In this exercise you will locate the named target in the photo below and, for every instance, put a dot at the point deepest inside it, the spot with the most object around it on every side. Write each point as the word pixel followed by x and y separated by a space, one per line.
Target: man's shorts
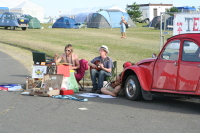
pixel 110 88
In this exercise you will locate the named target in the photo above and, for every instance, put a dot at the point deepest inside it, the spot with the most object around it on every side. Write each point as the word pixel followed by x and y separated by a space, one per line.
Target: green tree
pixel 134 12
pixel 172 9
pixel 99 10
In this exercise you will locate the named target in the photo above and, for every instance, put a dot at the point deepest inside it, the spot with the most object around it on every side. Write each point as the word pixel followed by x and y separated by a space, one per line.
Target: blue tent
pixel 3 9
pixel 65 22
pixel 109 19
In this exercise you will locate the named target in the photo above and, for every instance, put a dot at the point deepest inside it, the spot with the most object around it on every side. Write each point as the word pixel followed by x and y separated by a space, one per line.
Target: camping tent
pixel 12 3
pixel 65 22
pixel 83 17
pixel 154 21
pixel 30 8
pixel 109 19
pixel 3 9
pixel 34 23
pixel 76 11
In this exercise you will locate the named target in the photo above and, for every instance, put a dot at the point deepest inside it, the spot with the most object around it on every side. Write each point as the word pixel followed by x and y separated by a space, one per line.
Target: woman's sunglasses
pixel 68 50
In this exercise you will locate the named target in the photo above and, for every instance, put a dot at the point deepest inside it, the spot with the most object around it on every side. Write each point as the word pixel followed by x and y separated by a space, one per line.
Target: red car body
pixel 175 71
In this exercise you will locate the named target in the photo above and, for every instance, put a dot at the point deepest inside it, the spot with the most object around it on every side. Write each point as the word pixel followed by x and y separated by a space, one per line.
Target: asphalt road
pixel 11 72
pixel 34 114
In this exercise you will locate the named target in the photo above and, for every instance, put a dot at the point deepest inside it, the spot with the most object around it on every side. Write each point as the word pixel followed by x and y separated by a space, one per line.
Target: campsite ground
pixel 140 43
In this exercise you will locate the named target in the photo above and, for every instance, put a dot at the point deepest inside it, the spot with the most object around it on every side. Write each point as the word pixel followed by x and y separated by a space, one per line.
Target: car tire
pixel 6 27
pixel 12 27
pixel 23 28
pixel 133 88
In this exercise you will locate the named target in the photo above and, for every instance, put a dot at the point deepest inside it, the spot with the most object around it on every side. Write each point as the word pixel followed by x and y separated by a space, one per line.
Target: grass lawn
pixel 140 43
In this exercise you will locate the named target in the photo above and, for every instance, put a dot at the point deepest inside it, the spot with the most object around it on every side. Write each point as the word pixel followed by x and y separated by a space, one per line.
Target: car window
pixel 19 15
pixel 171 51
pixel 191 51
pixel 3 16
pixel 12 17
pixel 8 16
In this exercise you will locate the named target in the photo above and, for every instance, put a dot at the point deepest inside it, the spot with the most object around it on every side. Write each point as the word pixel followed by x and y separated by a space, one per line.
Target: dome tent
pixel 82 15
pixel 65 22
pixel 109 19
pixel 34 23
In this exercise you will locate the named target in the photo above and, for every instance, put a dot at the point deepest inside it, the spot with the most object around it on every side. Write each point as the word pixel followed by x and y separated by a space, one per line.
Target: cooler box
pixel 66 92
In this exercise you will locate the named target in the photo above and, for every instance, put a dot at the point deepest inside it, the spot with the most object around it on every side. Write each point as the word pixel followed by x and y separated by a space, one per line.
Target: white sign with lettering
pixel 186 23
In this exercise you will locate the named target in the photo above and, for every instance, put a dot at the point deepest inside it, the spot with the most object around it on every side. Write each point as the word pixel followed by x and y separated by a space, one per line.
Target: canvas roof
pixel 28 4
pixel 109 19
pixel 30 8
pixel 3 4
pixel 12 3
pixel 76 11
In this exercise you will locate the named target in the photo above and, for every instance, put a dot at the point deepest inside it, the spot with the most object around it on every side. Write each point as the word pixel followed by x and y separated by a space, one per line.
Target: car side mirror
pixel 154 55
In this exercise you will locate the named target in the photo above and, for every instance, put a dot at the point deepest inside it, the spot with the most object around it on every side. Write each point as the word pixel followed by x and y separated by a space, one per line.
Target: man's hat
pixel 104 47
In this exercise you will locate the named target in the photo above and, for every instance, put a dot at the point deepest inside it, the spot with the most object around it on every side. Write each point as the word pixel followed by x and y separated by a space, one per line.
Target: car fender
pixel 139 72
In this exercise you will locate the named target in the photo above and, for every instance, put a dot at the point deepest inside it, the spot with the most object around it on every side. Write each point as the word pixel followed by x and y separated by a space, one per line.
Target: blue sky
pixel 52 7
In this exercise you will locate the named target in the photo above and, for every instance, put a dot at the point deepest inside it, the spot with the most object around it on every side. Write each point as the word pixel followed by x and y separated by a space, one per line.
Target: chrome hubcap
pixel 131 88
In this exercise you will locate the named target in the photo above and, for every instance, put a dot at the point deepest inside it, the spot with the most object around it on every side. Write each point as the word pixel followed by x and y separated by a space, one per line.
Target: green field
pixel 140 43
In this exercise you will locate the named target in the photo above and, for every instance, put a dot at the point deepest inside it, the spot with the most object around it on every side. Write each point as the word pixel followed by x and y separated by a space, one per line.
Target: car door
pixel 8 20
pixel 189 67
pixel 166 67
pixel 3 20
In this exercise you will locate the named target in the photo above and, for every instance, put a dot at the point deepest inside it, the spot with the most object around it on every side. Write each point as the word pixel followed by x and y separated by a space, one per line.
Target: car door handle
pixel 175 63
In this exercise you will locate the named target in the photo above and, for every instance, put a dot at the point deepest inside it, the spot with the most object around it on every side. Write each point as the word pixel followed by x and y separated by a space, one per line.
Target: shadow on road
pixel 186 106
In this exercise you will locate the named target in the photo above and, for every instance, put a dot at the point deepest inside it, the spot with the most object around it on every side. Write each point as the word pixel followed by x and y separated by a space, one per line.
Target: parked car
pixel 13 20
pixel 174 72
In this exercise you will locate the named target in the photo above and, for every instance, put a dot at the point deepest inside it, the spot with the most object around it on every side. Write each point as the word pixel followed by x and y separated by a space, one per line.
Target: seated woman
pixel 68 57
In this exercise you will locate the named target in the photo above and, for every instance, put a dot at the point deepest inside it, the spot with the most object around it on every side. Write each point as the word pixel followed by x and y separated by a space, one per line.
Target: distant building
pixel 152 10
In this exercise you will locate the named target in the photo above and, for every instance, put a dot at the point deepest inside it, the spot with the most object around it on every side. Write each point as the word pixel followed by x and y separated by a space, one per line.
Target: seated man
pixel 114 87
pixel 101 67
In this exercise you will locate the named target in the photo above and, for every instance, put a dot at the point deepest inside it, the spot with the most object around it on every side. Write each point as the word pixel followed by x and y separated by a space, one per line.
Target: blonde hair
pixel 69 46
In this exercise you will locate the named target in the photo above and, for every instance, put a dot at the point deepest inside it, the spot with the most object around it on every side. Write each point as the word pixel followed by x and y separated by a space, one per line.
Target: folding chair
pixel 81 72
pixel 114 73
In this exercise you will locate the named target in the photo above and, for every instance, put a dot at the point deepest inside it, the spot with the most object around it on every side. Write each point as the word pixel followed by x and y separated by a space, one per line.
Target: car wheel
pixel 12 27
pixel 133 88
pixel 23 28
pixel 6 27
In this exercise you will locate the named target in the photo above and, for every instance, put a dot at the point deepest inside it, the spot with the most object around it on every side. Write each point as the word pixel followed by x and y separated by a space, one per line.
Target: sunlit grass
pixel 140 43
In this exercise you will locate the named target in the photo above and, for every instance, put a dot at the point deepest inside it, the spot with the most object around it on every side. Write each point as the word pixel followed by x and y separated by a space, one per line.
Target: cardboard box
pixel 63 69
pixel 51 85
pixel 45 93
